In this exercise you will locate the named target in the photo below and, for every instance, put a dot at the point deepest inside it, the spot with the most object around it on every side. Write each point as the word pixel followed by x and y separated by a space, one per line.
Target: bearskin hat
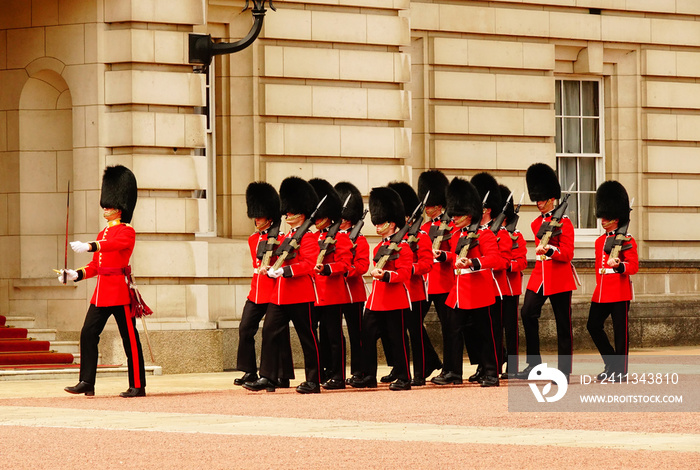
pixel 542 182
pixel 484 182
pixel 436 182
pixel 332 206
pixel 407 194
pixel 612 202
pixel 385 206
pixel 262 201
pixel 353 210
pixel 119 191
pixel 463 199
pixel 510 210
pixel 297 196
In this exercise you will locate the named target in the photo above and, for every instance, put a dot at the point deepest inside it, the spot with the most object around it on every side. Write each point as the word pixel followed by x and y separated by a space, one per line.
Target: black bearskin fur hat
pixel 355 207
pixel 484 182
pixel 385 206
pixel 542 182
pixel 119 191
pixel 332 206
pixel 436 182
pixel 297 196
pixel 408 196
pixel 463 199
pixel 262 201
pixel 612 202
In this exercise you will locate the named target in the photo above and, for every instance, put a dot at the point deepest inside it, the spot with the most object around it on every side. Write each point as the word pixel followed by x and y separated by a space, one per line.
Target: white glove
pixel 276 273
pixel 80 247
pixel 70 275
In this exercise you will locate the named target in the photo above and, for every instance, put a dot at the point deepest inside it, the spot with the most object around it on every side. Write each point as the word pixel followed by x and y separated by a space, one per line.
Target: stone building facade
pixel 368 91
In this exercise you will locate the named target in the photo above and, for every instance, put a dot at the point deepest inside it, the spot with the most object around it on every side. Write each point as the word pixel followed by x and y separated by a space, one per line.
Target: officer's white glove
pixel 80 247
pixel 274 274
pixel 70 275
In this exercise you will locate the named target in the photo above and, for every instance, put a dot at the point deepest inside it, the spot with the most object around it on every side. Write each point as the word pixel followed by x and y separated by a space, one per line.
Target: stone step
pixel 20 322
pixel 69 373
pixel 72 347
pixel 42 334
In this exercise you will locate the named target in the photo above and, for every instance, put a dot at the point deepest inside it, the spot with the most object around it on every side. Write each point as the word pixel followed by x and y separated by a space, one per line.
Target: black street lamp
pixel 202 48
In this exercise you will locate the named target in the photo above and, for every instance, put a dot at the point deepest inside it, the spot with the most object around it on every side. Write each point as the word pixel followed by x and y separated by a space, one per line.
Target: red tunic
pixel 555 272
pixel 358 268
pixel 517 264
pixel 501 278
pixel 392 295
pixel 296 284
pixel 331 288
pixel 260 286
pixel 441 278
pixel 114 247
pixel 475 288
pixel 422 251
pixel 611 286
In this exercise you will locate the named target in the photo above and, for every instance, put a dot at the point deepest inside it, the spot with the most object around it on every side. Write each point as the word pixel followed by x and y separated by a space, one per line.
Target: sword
pixel 148 339
pixel 65 248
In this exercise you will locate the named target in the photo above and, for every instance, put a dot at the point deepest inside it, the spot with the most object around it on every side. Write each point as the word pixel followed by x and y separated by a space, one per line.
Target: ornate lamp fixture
pixel 202 48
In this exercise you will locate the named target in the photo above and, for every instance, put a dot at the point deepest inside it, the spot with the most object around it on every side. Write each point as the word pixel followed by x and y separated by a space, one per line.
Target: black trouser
pixel 443 313
pixel 509 319
pixel 425 359
pixel 353 321
pixel 246 359
pixel 530 314
pixel 615 358
pixel 496 324
pixel 332 340
pixel 274 326
pixel 479 321
pixel 95 321
pixel 393 322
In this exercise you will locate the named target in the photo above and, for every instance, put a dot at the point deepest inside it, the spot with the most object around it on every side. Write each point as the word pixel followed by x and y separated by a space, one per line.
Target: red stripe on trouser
pixel 627 340
pixel 342 341
pixel 403 340
pixel 422 340
pixel 318 356
pixel 135 365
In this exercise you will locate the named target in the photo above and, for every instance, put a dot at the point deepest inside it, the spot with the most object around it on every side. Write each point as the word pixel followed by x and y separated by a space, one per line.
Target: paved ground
pixel 203 420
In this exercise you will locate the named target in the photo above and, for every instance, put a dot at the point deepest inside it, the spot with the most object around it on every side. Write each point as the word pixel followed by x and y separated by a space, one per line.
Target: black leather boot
pixel 80 388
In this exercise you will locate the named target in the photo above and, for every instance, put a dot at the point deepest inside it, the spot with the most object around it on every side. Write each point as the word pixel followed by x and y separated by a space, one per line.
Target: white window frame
pixel 210 152
pixel 599 157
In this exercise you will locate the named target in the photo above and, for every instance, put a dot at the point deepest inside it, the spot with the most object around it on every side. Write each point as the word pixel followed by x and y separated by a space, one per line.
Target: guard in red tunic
pixel 110 263
pixel 616 260
pixel 473 253
pixel 352 222
pixel 486 184
pixel 514 288
pixel 439 228
pixel 263 206
pixel 332 293
pixel 425 359
pixel 389 296
pixel 293 294
pixel 553 275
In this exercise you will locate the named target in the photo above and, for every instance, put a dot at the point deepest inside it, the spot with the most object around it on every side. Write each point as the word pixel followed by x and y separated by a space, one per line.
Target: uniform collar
pixel 437 219
pixel 114 222
pixel 544 216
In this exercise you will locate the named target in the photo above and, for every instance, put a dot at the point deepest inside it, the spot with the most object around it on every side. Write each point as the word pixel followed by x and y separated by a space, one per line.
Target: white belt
pixel 464 271
pixel 255 271
pixel 606 271
pixel 543 257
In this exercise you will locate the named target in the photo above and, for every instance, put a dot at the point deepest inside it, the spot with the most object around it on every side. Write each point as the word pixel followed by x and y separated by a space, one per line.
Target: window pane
pixel 589 98
pixel 572 210
pixel 571 98
pixel 567 173
pixel 572 135
pixel 586 177
pixel 588 219
pixel 591 136
pixel 557 137
pixel 557 97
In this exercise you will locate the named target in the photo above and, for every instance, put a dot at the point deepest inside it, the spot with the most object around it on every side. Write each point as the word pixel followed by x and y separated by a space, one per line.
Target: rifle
pixel 357 229
pixel 498 221
pixel 270 245
pixel 291 244
pixel 613 246
pixel 412 234
pixel 472 232
pixel 385 252
pixel 443 228
pixel 513 224
pixel 329 241
pixel 552 228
